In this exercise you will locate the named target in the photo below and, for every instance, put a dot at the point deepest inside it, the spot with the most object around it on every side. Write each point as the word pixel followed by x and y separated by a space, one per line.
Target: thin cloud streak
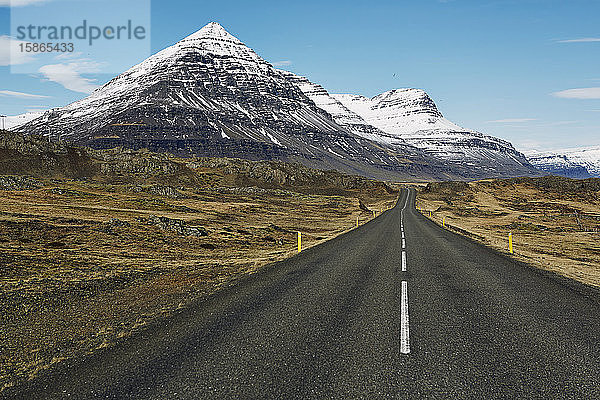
pixel 511 120
pixel 21 95
pixel 580 40
pixel 579 93
pixel 20 3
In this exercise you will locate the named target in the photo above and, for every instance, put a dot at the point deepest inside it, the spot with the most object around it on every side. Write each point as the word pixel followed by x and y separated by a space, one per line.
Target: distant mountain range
pixel 210 95
pixel 581 162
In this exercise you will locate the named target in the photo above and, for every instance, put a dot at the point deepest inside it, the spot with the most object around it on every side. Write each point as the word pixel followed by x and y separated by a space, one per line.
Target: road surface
pixel 398 308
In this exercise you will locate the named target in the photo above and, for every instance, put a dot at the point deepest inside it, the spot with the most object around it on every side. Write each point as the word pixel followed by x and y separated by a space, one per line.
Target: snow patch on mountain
pixel 399 112
pixel 14 121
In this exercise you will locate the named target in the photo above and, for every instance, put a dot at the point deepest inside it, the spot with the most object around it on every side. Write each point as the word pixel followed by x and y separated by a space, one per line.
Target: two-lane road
pixel 398 308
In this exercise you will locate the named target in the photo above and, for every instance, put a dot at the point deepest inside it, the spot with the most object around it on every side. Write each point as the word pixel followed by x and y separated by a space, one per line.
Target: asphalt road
pixel 343 320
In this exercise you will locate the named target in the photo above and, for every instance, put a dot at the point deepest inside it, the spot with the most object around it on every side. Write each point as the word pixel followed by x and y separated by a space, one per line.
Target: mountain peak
pixel 407 99
pixel 403 93
pixel 214 31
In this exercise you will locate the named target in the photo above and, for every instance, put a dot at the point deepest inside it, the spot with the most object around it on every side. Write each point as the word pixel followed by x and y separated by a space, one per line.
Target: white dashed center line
pixel 404 328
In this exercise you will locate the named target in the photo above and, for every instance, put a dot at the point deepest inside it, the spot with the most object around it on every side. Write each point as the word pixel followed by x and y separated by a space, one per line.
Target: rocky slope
pixel 340 113
pixel 573 163
pixel 23 156
pixel 34 155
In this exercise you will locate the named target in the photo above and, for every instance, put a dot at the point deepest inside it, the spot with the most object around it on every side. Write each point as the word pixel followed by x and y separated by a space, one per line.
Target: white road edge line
pixel 404 261
pixel 404 328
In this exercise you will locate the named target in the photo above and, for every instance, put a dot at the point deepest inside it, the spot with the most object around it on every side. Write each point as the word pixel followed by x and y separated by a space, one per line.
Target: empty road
pixel 398 308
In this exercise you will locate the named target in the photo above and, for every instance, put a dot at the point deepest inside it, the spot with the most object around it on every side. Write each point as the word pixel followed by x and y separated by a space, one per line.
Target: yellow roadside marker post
pixel 510 243
pixel 357 222
pixel 373 213
pixel 299 241
pixel 444 222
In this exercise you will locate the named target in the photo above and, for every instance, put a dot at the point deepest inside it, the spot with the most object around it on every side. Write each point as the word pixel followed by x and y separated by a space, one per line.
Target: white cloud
pixel 581 93
pixel 21 95
pixel 10 53
pixel 282 63
pixel 69 75
pixel 19 3
pixel 580 40
pixel 511 120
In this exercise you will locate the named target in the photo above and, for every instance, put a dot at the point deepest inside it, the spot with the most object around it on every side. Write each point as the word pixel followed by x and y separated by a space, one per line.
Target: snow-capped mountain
pixel 581 162
pixel 211 95
pixel 14 121
pixel 411 115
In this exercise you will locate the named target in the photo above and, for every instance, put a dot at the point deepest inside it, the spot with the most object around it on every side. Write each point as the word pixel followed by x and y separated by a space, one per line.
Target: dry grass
pixel 553 228
pixel 72 280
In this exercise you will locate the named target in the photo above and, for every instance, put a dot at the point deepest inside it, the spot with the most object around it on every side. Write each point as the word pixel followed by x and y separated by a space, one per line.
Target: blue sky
pixel 507 68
